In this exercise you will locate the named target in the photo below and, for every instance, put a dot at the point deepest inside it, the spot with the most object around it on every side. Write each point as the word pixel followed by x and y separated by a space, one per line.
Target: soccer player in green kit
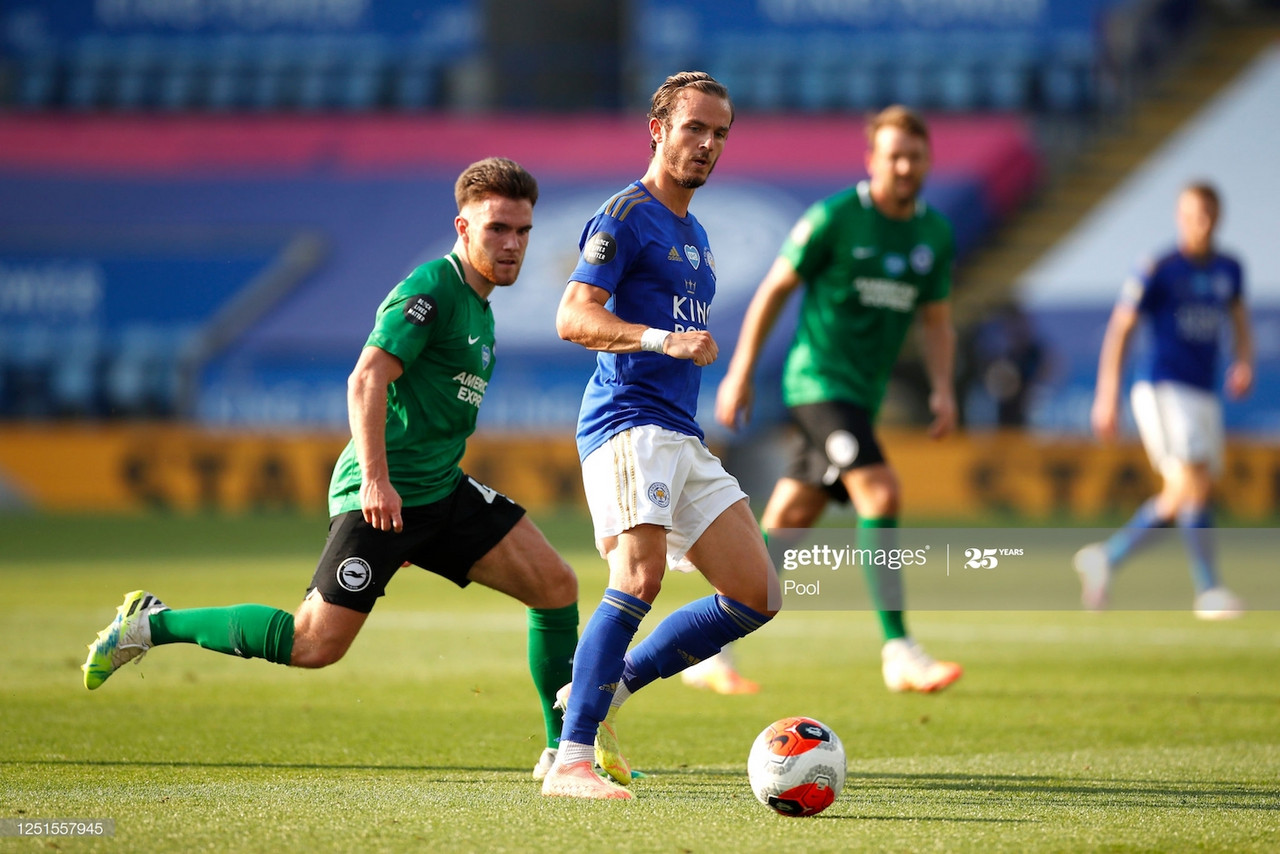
pixel 873 259
pixel 398 495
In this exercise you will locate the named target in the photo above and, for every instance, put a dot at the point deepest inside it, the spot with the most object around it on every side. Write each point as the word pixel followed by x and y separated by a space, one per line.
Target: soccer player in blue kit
pixel 1185 297
pixel 640 297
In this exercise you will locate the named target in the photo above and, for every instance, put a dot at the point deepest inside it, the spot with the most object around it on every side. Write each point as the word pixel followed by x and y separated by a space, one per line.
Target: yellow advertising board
pixel 182 468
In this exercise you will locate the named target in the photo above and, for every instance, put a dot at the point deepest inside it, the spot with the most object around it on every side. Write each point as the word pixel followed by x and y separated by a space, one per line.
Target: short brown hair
pixel 897 116
pixel 494 176
pixel 664 99
pixel 1208 194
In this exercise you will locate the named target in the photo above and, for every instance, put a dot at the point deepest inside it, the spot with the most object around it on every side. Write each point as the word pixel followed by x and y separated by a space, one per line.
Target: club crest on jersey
pixel 354 574
pixel 922 259
pixel 710 259
pixel 486 355
pixel 695 258
pixel 895 265
pixel 659 494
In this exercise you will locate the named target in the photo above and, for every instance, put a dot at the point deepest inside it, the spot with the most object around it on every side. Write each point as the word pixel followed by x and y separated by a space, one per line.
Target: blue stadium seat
pixel 820 76
pixel 91 74
pixel 38 81
pixel 1066 77
pixel 360 85
pixel 29 365
pixel 323 66
pixel 275 70
pixel 417 83
pixel 229 73
pixel 912 77
pixel 1008 72
pixel 958 71
pixel 142 63
pixel 74 384
pixel 184 85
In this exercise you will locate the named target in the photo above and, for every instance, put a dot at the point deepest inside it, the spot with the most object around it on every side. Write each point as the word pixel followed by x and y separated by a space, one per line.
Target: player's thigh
pixel 637 560
pixel 323 631
pixel 525 566
pixel 874 490
pixel 732 556
pixel 630 481
pixel 793 504
pixel 1187 484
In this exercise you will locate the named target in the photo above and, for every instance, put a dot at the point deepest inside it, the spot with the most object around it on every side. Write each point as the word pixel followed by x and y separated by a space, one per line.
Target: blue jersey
pixel 1186 305
pixel 659 271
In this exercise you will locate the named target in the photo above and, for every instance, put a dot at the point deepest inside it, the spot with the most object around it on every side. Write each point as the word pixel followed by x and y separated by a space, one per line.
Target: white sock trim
pixel 571 751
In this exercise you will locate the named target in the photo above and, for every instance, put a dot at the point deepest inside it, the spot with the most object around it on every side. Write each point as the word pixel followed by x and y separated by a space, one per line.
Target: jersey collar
pixel 456 263
pixel 864 196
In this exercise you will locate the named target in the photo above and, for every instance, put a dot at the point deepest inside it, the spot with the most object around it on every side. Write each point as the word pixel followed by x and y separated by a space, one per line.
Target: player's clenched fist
pixel 696 344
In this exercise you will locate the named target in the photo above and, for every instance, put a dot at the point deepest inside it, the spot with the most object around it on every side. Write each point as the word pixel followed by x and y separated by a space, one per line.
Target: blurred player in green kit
pixel 873 259
pixel 398 495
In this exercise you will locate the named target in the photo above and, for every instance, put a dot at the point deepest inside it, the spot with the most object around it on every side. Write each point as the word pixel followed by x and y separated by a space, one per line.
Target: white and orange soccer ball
pixel 796 766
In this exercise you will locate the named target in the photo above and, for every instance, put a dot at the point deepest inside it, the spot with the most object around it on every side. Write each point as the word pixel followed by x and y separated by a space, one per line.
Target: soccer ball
pixel 796 766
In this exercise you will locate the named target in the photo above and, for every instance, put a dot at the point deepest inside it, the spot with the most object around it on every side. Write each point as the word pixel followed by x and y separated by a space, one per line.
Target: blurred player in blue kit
pixel 1185 298
pixel 640 297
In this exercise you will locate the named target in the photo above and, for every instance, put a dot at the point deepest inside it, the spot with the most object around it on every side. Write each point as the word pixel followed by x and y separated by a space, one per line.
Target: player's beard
pixel 677 169
pixel 906 190
pixel 487 267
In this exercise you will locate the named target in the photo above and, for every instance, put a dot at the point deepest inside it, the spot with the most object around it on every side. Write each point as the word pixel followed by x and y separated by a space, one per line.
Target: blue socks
pixel 597 664
pixel 1196 525
pixel 1124 542
pixel 698 630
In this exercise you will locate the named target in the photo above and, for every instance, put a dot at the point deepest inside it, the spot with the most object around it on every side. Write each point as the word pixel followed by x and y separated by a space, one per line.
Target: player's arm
pixel 938 343
pixel 583 319
pixel 1115 341
pixel 367 386
pixel 734 397
pixel 1240 371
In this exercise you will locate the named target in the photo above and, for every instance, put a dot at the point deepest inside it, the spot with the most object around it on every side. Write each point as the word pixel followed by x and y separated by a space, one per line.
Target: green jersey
pixel 442 333
pixel 864 276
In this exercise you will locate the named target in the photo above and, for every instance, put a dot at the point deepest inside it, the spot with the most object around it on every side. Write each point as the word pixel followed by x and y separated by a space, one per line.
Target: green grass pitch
pixel 1127 731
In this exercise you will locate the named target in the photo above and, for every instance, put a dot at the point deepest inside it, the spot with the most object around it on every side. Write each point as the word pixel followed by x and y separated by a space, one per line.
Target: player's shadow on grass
pixel 1047 791
pixel 1072 792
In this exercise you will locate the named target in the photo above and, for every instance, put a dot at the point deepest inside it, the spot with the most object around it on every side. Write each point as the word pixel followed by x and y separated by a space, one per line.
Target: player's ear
pixel 656 130
pixel 461 225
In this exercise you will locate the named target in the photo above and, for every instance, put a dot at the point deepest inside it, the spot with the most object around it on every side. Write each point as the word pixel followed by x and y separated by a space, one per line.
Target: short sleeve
pixel 607 246
pixel 806 245
pixel 411 315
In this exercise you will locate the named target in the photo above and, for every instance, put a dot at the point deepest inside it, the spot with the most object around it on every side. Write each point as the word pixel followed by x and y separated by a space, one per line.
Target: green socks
pixel 249 631
pixel 553 636
pixel 885 584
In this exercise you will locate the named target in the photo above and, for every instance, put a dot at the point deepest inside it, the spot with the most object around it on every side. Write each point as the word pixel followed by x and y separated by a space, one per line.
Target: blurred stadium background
pixel 202 202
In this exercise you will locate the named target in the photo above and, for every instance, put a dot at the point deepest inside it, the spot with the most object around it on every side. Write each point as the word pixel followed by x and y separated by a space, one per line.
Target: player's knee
pixel 312 658
pixel 313 653
pixel 793 515
pixel 644 586
pixel 558 586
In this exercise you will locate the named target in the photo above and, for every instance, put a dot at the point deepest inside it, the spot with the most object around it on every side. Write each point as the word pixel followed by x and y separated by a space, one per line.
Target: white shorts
pixel 1179 424
pixel 648 475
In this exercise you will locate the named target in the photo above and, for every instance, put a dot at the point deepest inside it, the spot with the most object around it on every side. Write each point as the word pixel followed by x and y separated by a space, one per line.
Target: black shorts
pixel 828 439
pixel 447 538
